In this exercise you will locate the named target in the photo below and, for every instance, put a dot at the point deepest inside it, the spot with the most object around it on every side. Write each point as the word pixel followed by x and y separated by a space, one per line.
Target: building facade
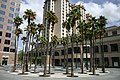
pixel 9 9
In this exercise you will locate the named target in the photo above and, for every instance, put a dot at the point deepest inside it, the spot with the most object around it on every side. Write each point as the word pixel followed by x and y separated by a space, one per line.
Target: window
pixel 114 47
pixel 8 35
pixel 6 49
pixel 16 14
pixel 13 37
pixel 12 44
pixel 10 21
pixel 114 33
pixel 11 15
pixel 4 0
pixel 2 12
pixel 3 6
pixel 9 28
pixel 105 48
pixel 0 33
pixel 96 49
pixel 1 26
pixel 18 9
pixel 1 19
pixel 13 31
pixel 7 41
pixel 106 34
pixel 12 50
pixel 13 3
pixel 0 40
pixel 12 9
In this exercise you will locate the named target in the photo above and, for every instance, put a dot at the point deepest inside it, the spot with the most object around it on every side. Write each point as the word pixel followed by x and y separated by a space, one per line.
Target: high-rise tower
pixel 61 8
pixel 9 9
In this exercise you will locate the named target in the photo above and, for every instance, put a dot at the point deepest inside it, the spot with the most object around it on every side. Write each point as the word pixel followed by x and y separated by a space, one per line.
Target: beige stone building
pixel 8 10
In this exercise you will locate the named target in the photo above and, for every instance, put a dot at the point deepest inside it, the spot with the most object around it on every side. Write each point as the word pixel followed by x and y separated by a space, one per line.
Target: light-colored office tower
pixel 61 8
pixel 8 10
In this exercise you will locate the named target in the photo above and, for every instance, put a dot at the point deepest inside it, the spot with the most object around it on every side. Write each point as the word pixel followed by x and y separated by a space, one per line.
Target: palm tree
pixel 29 15
pixel 51 19
pixel 23 55
pixel 101 30
pixel 67 26
pixel 31 29
pixel 73 16
pixel 17 22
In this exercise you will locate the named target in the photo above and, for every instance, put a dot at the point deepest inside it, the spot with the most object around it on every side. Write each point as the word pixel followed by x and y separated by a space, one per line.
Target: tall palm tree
pixel 51 19
pixel 17 22
pixel 73 16
pixel 67 26
pixel 29 15
pixel 101 30
pixel 32 30
pixel 23 55
pixel 81 28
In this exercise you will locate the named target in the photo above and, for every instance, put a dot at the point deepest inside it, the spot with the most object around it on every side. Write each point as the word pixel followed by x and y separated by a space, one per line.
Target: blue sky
pixel 96 1
pixel 108 8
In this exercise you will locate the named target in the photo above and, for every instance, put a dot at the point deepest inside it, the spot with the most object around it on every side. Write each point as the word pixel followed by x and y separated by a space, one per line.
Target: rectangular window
pixel 1 26
pixel 12 44
pixel 6 49
pixel 13 3
pixel 4 0
pixel 12 9
pixel 16 14
pixel 13 37
pixel 9 28
pixel 12 50
pixel 18 9
pixel 1 19
pixel 114 47
pixel 11 15
pixel 3 6
pixel 13 31
pixel 2 12
pixel 105 48
pixel 114 33
pixel 7 41
pixel 8 35
pixel 96 48
pixel 0 33
pixel 10 21
pixel 0 40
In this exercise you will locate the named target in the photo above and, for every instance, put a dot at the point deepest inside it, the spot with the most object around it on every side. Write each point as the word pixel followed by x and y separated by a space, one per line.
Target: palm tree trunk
pixel 50 60
pixel 64 58
pixel 72 57
pixel 93 57
pixel 76 56
pixel 86 55
pixel 67 71
pixel 23 59
pixel 102 55
pixel 91 60
pixel 26 51
pixel 36 59
pixel 82 70
pixel 14 67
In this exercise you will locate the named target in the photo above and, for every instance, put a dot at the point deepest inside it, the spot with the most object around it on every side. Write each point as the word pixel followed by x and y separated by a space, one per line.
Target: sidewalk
pixel 59 73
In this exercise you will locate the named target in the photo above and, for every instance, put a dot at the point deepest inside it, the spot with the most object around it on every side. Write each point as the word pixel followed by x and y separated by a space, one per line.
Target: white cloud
pixel 109 10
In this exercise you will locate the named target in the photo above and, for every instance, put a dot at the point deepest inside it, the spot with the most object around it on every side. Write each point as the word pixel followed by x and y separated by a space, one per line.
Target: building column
pixel 110 61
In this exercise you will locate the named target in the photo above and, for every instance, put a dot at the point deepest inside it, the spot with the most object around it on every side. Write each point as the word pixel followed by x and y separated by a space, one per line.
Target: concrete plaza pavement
pixel 112 74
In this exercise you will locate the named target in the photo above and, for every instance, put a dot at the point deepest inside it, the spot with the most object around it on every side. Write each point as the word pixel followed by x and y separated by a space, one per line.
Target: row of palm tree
pixel 88 30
